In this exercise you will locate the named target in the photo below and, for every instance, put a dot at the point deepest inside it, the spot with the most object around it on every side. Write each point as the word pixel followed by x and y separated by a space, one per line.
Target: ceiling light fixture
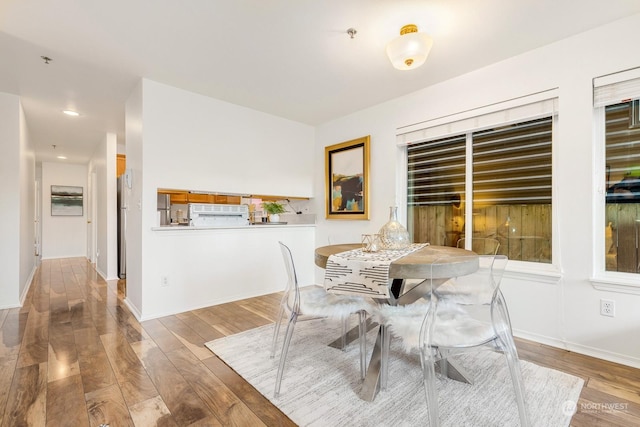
pixel 352 32
pixel 62 157
pixel 71 113
pixel 409 50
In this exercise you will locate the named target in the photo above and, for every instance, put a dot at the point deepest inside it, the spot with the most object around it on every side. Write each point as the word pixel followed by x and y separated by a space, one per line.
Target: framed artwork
pixel 66 200
pixel 347 179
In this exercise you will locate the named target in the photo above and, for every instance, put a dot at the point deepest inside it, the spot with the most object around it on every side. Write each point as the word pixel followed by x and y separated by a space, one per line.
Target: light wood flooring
pixel 74 355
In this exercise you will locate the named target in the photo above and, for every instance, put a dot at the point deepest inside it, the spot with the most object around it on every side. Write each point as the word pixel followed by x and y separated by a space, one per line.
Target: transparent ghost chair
pixel 446 326
pixel 481 245
pixel 313 302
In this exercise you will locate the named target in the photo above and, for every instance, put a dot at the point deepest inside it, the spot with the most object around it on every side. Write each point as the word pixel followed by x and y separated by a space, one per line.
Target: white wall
pixel 103 164
pixel 199 143
pixel 17 204
pixel 178 139
pixel 27 208
pixel 10 200
pixel 63 236
pixel 564 313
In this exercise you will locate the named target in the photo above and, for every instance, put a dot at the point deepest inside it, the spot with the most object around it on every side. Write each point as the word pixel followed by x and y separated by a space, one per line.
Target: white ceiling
pixel 290 58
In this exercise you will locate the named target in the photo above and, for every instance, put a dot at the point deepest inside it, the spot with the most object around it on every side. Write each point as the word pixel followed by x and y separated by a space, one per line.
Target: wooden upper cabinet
pixel 179 197
pixel 201 198
pixel 121 164
pixel 183 197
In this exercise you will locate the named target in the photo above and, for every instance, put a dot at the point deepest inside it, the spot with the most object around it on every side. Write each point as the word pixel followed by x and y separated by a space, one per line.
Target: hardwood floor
pixel 74 355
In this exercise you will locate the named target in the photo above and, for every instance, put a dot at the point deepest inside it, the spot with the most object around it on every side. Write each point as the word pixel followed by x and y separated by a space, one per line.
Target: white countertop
pixel 240 227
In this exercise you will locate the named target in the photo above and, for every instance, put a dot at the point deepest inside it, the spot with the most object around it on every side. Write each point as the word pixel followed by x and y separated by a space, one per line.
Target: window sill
pixel 544 273
pixel 617 283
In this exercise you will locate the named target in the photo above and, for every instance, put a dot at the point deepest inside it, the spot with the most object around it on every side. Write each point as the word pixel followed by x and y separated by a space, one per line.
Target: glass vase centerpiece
pixel 393 235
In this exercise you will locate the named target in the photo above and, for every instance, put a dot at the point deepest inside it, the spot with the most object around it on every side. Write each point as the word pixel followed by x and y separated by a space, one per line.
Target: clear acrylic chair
pixel 486 246
pixel 481 245
pixel 445 326
pixel 313 302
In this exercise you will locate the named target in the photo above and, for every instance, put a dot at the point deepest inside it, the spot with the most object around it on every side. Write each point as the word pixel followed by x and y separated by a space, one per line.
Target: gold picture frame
pixel 347 179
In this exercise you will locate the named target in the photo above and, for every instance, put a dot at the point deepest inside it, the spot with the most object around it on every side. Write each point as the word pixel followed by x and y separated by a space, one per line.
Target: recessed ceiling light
pixel 62 157
pixel 71 113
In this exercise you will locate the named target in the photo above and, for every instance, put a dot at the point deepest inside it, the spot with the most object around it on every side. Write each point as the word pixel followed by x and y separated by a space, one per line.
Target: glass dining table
pixel 410 279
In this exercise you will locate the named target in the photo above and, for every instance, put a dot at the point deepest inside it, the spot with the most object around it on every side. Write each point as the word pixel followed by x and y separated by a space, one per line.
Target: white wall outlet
pixel 608 307
pixel 164 281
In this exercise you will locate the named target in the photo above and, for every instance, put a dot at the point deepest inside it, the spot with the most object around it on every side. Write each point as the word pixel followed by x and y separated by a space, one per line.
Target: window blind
pixel 436 172
pixel 512 164
pixel 542 104
pixel 616 88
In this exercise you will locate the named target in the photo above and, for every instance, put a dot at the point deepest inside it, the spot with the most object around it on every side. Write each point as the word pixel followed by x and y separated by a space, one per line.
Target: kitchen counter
pixel 238 227
pixel 202 266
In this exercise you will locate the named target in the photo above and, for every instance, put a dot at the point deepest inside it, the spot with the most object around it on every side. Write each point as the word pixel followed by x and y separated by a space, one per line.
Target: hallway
pixel 74 355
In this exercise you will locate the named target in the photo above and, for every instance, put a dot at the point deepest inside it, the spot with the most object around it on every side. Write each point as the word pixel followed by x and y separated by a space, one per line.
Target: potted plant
pixel 274 209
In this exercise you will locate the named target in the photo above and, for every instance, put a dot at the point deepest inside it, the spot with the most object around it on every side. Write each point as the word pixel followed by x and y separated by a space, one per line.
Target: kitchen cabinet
pixel 184 197
pixel 200 198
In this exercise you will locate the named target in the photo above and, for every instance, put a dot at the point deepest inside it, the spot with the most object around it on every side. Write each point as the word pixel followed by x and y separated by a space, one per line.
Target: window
pixel 622 200
pixel 495 182
pixel 616 104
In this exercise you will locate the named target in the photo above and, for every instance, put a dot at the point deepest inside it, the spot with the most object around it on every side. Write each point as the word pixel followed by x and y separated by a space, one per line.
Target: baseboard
pixel 598 353
pixel 100 273
pixel 29 283
pixel 208 303
pixel 103 275
pixel 23 296
pixel 134 310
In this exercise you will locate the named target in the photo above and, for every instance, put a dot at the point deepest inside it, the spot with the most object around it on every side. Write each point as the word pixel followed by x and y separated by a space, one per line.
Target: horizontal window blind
pixel 530 107
pixel 616 88
pixel 436 172
pixel 622 154
pixel 512 164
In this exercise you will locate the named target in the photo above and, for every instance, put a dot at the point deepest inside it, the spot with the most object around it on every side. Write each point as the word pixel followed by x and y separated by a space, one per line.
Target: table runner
pixel 361 273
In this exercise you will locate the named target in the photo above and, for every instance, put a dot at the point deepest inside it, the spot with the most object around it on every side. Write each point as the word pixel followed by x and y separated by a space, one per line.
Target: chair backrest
pixel 292 291
pixel 481 245
pixel 477 288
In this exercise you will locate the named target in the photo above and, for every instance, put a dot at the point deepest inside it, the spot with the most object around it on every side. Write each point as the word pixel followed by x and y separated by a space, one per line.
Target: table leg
pixel 453 371
pixel 352 335
pixel 371 383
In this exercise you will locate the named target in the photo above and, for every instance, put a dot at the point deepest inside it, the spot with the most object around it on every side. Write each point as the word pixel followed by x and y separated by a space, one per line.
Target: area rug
pixel 321 384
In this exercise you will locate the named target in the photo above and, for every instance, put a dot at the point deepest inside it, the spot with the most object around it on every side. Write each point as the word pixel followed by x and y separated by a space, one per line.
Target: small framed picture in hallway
pixel 66 200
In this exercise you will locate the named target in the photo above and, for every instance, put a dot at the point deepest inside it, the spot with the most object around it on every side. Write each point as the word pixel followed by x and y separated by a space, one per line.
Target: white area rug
pixel 321 383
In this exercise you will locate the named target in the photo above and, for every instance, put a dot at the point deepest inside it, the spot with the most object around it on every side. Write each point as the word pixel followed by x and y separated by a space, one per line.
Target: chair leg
pixel 518 386
pixel 428 362
pixel 431 393
pixel 276 331
pixel 362 336
pixel 285 349
pixel 385 343
pixel 345 329
pixel 508 347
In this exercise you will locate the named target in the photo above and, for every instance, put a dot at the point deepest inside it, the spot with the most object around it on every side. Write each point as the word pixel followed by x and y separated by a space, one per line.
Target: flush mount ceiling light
pixel 71 113
pixel 409 50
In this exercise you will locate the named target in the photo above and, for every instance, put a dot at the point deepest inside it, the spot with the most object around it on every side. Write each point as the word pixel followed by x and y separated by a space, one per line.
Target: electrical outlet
pixel 608 307
pixel 164 281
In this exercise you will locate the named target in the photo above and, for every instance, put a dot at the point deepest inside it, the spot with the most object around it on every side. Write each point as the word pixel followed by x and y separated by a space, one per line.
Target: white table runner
pixel 363 273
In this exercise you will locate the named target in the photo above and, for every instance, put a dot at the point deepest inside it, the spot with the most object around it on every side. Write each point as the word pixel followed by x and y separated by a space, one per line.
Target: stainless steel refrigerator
pixel 122 227
pixel 164 208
